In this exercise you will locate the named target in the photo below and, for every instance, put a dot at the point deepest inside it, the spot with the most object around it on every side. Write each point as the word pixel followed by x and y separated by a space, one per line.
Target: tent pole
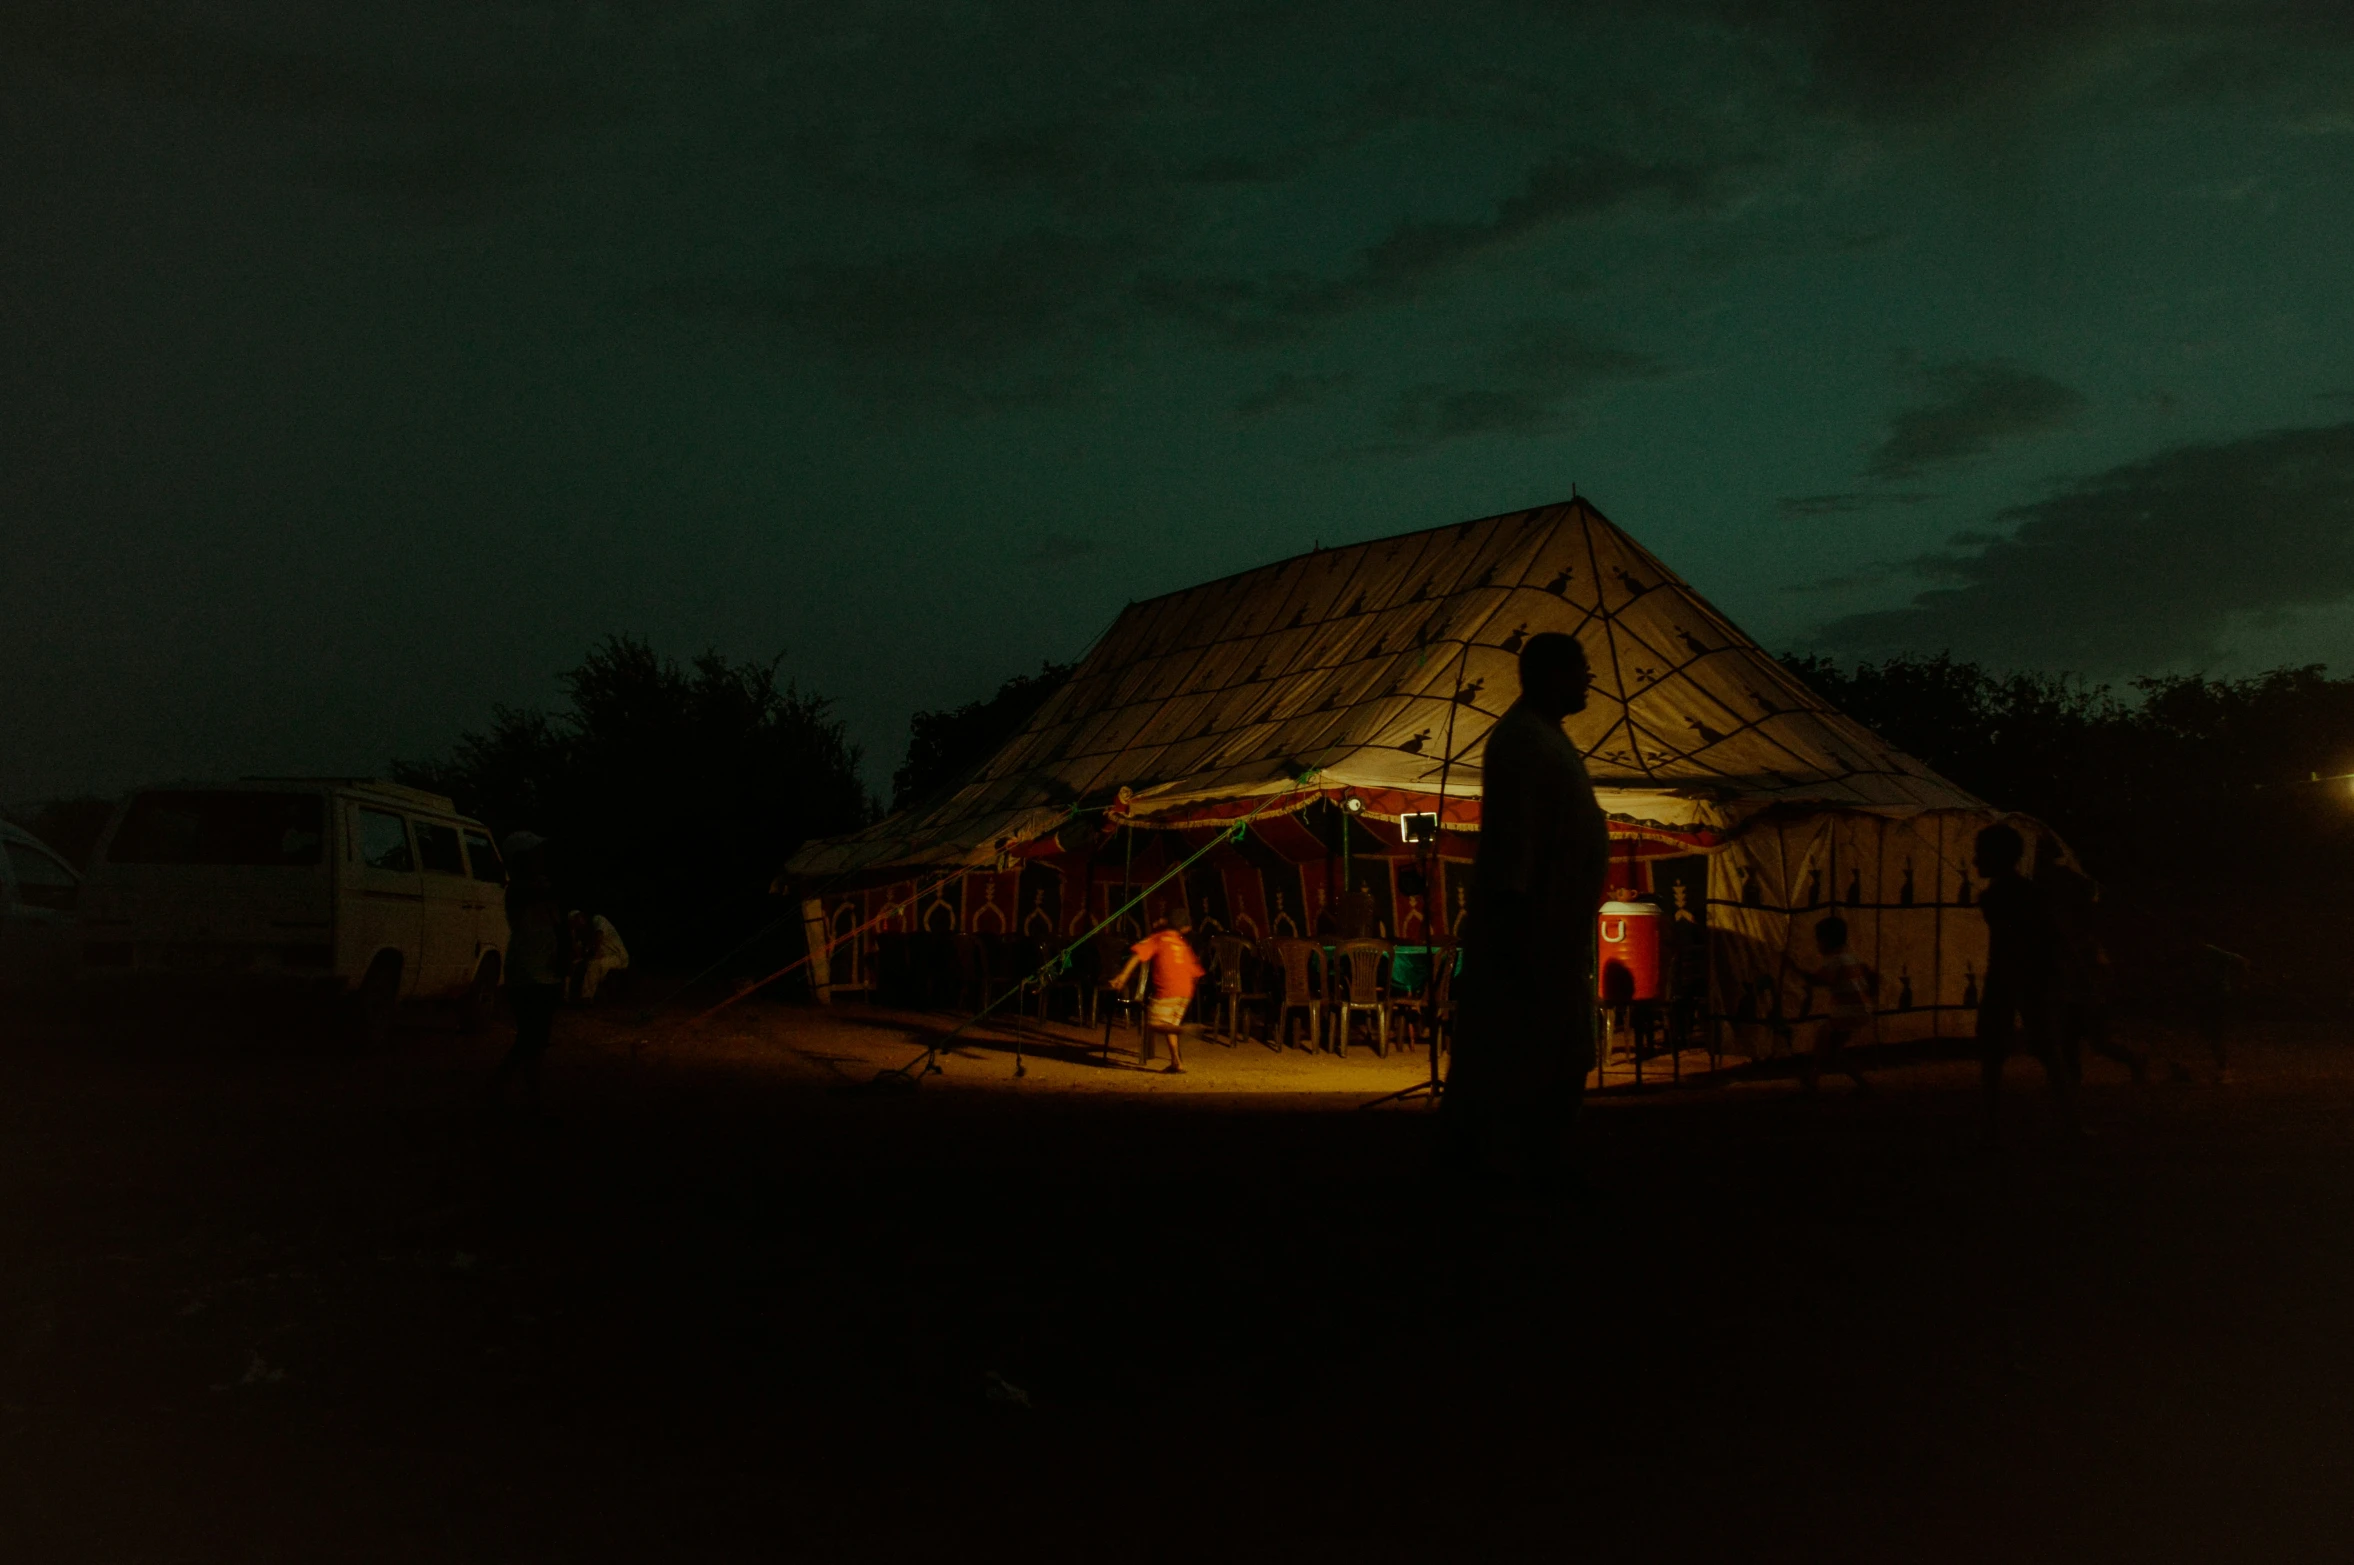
pixel 1346 886
pixel 1433 904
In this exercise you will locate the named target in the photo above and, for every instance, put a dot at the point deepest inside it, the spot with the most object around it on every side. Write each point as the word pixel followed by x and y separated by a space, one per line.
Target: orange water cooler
pixel 1626 967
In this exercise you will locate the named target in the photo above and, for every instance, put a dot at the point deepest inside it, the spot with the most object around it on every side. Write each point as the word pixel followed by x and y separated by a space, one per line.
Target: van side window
pixel 437 848
pixel 40 880
pixel 485 858
pixel 221 826
pixel 384 841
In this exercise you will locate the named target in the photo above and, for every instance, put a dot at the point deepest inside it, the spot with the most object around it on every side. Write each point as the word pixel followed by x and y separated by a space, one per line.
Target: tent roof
pixel 1366 666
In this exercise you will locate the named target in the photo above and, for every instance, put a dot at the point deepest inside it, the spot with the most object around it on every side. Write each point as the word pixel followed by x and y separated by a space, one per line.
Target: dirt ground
pixel 263 1298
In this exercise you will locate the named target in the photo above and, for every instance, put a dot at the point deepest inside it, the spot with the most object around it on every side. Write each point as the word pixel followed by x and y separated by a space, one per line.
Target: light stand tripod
pixel 1435 1088
pixel 1433 910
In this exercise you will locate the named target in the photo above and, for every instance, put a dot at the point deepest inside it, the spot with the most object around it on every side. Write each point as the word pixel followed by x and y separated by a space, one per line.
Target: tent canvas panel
pixel 1901 883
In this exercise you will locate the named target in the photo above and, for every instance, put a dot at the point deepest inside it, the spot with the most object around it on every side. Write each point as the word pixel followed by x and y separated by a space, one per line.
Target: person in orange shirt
pixel 1175 970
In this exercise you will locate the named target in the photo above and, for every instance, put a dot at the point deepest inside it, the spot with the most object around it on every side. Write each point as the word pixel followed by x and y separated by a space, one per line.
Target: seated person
pixel 1851 983
pixel 597 951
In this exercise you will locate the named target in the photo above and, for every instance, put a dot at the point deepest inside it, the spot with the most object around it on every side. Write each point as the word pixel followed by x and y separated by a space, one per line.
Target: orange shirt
pixel 1174 966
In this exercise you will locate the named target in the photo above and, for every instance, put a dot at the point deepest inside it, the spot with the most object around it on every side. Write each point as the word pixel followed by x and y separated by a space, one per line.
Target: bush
pixel 671 793
pixel 943 746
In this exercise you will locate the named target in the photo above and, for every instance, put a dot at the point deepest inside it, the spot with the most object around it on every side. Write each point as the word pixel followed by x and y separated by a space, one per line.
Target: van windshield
pixel 221 826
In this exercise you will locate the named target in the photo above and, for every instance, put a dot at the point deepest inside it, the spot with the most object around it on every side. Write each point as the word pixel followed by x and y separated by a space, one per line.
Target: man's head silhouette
pixel 1554 674
pixel 1998 850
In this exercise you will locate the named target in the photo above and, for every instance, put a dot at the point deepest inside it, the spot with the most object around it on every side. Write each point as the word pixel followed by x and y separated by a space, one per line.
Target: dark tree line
pixel 2183 751
pixel 672 792
pixel 944 746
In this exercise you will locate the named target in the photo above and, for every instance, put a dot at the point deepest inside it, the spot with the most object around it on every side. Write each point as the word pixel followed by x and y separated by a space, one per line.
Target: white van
pixel 371 889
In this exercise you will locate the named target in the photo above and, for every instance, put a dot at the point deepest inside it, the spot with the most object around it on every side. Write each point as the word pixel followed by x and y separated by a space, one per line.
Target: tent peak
pixel 1527 514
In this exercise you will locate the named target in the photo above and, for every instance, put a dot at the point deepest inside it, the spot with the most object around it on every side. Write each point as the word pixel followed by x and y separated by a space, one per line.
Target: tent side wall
pixel 1288 874
pixel 1902 884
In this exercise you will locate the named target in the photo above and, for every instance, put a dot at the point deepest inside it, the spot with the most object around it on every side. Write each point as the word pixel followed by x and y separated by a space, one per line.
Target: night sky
pixel 360 366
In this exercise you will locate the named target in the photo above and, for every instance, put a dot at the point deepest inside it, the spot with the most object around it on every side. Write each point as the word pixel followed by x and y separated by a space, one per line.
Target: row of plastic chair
pixel 1328 988
pixel 1288 983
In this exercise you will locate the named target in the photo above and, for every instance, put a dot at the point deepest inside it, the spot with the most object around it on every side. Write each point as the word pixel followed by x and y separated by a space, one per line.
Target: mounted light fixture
pixel 1419 827
pixel 1351 803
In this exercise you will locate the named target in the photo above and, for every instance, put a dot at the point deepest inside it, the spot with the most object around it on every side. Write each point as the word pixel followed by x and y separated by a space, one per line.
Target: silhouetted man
pixel 2219 972
pixel 1525 1019
pixel 2022 970
pixel 538 959
pixel 2080 997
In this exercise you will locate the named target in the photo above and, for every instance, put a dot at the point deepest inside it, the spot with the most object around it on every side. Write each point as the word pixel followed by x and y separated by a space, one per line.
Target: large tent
pixel 1326 696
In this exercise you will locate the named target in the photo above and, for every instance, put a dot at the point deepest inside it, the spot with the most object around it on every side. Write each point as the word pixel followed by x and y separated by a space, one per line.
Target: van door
pixel 451 910
pixel 383 900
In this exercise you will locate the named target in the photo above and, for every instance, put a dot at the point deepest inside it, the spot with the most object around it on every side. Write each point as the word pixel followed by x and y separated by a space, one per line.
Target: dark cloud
pixel 456 179
pixel 1877 60
pixel 1973 407
pixel 1101 162
pixel 1804 505
pixel 1579 183
pixel 1530 386
pixel 1852 581
pixel 1057 548
pixel 932 319
pixel 1582 182
pixel 1891 63
pixel 1453 94
pixel 1554 353
pixel 463 65
pixel 928 326
pixel 150 50
pixel 1430 414
pixel 1063 152
pixel 1858 241
pixel 2142 567
pixel 976 305
pixel 1286 391
pixel 468 109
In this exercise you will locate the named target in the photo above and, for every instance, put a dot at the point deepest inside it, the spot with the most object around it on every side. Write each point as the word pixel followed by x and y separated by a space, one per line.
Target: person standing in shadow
pixel 538 960
pixel 2217 974
pixel 1850 983
pixel 1525 1008
pixel 2080 998
pixel 2022 963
